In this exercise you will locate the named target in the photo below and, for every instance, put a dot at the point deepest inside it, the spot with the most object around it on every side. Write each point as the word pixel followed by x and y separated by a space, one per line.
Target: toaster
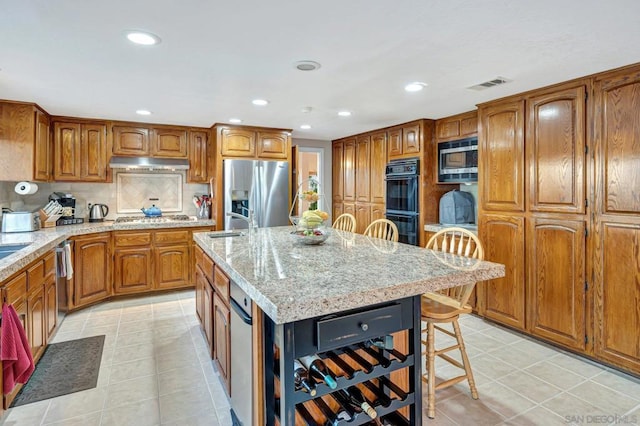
pixel 20 222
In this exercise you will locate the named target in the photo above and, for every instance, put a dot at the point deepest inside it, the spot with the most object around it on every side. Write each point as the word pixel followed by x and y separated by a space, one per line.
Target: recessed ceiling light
pixel 260 102
pixel 143 38
pixel 416 86
pixel 235 120
pixel 306 110
pixel 143 112
pixel 344 113
pixel 305 127
pixel 307 65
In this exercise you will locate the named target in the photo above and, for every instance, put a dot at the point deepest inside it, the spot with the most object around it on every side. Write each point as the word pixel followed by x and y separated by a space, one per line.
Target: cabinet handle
pixel 364 326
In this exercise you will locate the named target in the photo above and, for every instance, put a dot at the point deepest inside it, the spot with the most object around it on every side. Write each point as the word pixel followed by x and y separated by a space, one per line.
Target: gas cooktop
pixel 155 219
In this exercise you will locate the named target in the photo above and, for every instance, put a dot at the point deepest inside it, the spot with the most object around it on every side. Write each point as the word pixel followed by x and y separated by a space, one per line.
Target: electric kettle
pixel 97 212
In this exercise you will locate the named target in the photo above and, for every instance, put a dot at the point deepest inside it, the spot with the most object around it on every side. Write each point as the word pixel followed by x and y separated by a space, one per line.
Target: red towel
pixel 15 353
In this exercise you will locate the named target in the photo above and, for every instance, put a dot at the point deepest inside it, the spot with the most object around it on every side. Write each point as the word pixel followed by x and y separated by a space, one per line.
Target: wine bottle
pixel 357 399
pixel 301 378
pixel 319 370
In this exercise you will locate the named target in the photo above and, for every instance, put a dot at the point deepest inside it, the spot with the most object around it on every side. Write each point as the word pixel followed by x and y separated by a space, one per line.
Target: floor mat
pixel 65 367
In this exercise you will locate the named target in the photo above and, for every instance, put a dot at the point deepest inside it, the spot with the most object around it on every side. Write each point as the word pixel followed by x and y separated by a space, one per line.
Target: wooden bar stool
pixel 383 229
pixel 446 306
pixel 345 222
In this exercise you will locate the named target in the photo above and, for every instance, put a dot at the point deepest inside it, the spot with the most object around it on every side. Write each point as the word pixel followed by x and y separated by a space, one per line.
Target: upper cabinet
pixel 238 142
pixel 363 191
pixel 80 151
pixel 143 141
pixel 132 141
pixel 24 143
pixel 377 168
pixel 170 143
pixel 199 161
pixel 404 141
pixel 273 145
pixel 249 142
pixel 459 126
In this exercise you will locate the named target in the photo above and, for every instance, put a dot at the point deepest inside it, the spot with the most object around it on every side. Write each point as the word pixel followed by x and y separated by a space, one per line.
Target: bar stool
pixel 446 306
pixel 383 229
pixel 345 222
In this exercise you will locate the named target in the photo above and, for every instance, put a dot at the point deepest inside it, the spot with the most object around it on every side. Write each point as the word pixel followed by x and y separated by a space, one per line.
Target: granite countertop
pixel 291 281
pixel 40 242
pixel 435 227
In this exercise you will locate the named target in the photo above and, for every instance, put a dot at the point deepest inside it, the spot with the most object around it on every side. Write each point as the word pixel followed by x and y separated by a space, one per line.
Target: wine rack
pixel 343 342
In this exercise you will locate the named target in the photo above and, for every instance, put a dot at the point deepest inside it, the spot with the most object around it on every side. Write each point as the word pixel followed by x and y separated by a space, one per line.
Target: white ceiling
pixel 72 58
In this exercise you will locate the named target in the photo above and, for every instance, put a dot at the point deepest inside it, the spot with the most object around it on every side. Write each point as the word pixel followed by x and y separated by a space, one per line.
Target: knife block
pixel 48 221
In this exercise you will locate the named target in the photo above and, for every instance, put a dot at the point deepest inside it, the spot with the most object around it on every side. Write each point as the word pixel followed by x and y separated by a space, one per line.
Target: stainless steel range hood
pixel 148 163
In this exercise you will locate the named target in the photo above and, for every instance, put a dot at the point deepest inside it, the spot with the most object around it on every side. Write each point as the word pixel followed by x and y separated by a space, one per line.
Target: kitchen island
pixel 332 299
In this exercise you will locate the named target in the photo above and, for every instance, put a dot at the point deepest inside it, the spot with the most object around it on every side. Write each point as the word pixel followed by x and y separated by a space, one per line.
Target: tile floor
pixel 155 371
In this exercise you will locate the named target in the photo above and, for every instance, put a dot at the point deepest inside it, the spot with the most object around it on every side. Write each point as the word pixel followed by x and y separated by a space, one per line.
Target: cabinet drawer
pixel 171 237
pixel 345 330
pixel 221 284
pixel 49 265
pixel 35 275
pixel 132 239
pixel 199 254
pixel 16 289
pixel 207 267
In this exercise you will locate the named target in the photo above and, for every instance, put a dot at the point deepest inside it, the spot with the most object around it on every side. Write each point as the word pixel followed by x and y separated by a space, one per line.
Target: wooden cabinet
pixel 336 210
pixel 378 211
pixel 80 152
pixel 207 316
pixel 460 126
pixel 24 143
pixel 36 321
pixel 273 145
pixel 363 216
pixel 349 208
pixel 349 174
pixel 254 143
pixel 132 270
pixel 337 173
pixel 92 268
pixel 130 141
pixel 503 299
pixel 199 161
pixel 395 142
pixel 362 169
pixel 556 151
pixel 238 142
pixel 172 266
pixel 377 167
pixel 166 142
pixel 51 307
pixel 404 141
pixel 222 337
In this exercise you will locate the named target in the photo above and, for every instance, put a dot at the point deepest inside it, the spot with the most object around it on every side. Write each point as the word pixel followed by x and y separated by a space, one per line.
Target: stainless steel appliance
pixel 256 188
pixel 155 219
pixel 403 177
pixel 68 203
pixel 458 161
pixel 20 222
pixel 97 212
pixel 241 360
pixel 457 207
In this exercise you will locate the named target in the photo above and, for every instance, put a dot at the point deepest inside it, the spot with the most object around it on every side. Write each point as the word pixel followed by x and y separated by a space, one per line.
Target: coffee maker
pixel 68 203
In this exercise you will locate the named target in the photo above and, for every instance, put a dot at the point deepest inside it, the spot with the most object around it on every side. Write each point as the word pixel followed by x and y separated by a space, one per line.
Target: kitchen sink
pixel 225 234
pixel 9 249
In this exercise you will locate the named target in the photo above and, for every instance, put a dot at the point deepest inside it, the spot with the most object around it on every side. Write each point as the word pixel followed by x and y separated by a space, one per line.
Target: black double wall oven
pixel 403 182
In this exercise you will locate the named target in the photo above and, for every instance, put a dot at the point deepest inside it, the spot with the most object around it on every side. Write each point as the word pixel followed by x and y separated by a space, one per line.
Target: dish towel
pixel 67 260
pixel 15 353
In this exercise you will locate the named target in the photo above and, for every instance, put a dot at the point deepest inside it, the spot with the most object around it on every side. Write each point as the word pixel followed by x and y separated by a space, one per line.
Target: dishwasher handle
pixel 241 313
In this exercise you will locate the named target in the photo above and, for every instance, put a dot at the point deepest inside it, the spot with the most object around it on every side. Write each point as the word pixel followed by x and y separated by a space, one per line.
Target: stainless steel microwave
pixel 458 161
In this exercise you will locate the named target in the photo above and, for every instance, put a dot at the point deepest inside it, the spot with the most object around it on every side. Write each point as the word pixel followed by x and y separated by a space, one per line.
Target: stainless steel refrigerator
pixel 258 186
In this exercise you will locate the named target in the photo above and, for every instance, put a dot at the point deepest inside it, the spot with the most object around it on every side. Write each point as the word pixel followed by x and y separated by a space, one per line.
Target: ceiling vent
pixel 491 83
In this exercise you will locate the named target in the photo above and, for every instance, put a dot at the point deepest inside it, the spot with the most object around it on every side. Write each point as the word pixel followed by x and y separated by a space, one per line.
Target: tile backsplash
pixel 132 192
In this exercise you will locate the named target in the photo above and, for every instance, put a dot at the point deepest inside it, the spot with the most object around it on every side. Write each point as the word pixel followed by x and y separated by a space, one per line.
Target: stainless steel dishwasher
pixel 241 358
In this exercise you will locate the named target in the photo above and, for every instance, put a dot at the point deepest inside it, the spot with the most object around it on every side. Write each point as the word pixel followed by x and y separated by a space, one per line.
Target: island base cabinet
pixel 222 338
pixel 389 376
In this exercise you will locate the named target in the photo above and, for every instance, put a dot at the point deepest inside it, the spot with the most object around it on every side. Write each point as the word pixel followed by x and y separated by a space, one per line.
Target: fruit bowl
pixel 311 236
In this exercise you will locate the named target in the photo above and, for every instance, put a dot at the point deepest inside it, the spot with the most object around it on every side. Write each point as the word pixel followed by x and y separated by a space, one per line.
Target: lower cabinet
pixel 172 265
pixel 92 268
pixel 36 322
pixel 207 316
pixel 51 306
pixel 222 337
pixel 132 270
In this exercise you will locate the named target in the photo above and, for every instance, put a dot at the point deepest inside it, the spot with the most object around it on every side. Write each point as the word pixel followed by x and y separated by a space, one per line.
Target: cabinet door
pixel 273 145
pixel 51 307
pixel 131 141
pixel 394 147
pixel 501 156
pixel 556 263
pixel 172 266
pixel 337 210
pixel 198 157
pixel 363 193
pixel 200 287
pixel 208 319
pixel 170 143
pixel 238 143
pixel 469 125
pixel 377 212
pixel 93 153
pixel 378 165
pixel 349 208
pixel 222 337
pixel 67 151
pixel 503 240
pixel 556 151
pixel 349 183
pixel 363 217
pixel 411 139
pixel 92 269
pixel 337 166
pixel 132 270
pixel 43 150
pixel 36 321
pixel 459 126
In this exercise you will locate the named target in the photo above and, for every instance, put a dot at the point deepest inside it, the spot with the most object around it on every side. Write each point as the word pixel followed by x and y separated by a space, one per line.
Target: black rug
pixel 65 367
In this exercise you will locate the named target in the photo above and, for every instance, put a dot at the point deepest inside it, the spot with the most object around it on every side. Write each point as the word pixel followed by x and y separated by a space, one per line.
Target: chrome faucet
pixel 249 220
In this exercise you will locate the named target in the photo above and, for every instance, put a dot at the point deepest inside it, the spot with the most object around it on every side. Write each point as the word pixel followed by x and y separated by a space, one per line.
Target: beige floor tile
pixel 577 365
pixel 558 376
pixel 203 419
pixel 537 416
pixel 568 406
pixel 535 349
pixel 143 350
pixel 180 378
pixel 610 401
pixel 104 376
pixel 26 414
pixel 130 391
pixel 92 419
pixel 503 400
pixel 529 386
pixel 132 369
pixel 132 327
pixel 132 316
pixel 491 366
pixel 182 404
pixel 71 326
pixel 463 409
pixel 440 419
pixel 482 342
pixel 224 417
pixel 141 413
pixel 514 357
pixel 502 335
pixel 63 337
pixel 173 360
pixel 620 382
pixel 103 321
pixel 76 404
pixel 135 338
